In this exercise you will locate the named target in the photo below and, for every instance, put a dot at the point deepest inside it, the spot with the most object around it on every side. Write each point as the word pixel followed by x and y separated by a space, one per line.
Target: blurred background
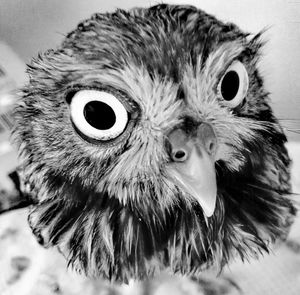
pixel 32 26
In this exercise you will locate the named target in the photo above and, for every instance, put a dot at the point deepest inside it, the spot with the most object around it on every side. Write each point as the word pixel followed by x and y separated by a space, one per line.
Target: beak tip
pixel 209 212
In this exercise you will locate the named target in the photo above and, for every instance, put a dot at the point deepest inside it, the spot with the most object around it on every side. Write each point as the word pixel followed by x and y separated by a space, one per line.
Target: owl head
pixel 147 142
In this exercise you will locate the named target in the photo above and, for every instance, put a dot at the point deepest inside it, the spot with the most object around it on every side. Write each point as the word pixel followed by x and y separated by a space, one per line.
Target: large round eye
pixel 98 114
pixel 233 86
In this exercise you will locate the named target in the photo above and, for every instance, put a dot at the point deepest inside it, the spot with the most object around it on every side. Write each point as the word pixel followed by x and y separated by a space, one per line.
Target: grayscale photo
pixel 149 147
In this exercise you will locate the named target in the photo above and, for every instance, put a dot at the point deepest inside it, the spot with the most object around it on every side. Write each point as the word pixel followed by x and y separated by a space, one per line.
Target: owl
pixel 147 143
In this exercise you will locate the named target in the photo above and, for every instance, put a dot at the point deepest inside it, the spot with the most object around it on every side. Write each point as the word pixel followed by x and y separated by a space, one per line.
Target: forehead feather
pixel 163 40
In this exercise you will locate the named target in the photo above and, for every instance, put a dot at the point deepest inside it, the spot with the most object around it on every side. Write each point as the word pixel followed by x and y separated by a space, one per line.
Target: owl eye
pixel 233 86
pixel 98 114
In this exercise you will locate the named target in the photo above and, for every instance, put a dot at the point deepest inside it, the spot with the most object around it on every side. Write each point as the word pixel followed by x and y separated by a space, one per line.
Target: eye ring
pixel 233 85
pixel 98 115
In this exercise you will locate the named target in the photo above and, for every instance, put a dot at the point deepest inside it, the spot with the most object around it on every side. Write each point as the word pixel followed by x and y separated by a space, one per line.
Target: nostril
pixel 211 147
pixel 179 155
pixel 207 136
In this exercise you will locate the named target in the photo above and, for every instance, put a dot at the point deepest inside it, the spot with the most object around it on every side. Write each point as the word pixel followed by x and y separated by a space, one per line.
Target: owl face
pixel 146 142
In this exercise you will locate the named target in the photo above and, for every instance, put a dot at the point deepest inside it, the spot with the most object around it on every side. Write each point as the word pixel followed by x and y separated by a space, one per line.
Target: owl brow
pixel 250 49
pixel 220 59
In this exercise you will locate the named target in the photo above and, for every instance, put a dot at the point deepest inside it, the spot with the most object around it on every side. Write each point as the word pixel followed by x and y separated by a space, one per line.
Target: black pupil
pixel 230 85
pixel 99 115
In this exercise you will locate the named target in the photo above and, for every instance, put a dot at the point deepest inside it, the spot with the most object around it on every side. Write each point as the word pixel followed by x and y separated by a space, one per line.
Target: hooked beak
pixel 193 165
